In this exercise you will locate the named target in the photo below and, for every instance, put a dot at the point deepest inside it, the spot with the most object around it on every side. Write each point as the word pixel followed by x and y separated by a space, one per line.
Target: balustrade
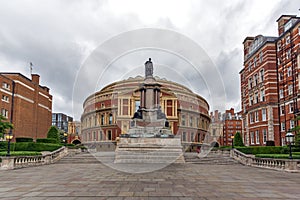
pixel 277 164
pixel 15 162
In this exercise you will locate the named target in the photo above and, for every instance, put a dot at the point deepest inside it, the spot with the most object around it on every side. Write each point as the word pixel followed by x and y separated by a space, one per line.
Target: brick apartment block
pixel 26 104
pixel 270 87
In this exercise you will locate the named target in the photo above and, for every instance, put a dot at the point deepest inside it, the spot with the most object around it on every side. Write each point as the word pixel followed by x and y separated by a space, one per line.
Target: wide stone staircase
pixel 79 158
pixel 212 158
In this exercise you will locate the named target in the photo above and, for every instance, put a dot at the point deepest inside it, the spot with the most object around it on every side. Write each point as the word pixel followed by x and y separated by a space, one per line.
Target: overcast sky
pixel 60 37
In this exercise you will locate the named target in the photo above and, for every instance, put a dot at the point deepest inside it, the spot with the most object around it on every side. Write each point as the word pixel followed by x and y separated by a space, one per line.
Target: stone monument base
pixel 149 150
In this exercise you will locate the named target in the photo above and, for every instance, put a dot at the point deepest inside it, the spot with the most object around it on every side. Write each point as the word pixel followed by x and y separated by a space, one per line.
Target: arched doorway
pixel 76 141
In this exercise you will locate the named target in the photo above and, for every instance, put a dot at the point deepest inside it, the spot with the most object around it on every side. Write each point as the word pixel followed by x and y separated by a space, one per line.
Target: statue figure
pixel 160 114
pixel 138 114
pixel 148 68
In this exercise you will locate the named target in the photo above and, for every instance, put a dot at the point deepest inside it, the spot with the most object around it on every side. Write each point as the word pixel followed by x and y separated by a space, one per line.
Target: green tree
pixel 53 133
pixel 238 141
pixel 4 126
pixel 61 136
pixel 296 131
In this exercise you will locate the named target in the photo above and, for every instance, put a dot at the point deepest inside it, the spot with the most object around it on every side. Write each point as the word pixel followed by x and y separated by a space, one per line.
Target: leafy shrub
pixel 31 146
pixel 46 140
pixel 53 133
pixel 24 139
pixel 262 150
pixel 21 153
pixel 238 140
pixel 278 156
pixel 3 145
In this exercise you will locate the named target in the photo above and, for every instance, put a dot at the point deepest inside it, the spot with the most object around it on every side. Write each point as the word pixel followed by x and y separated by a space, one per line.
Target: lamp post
pixel 66 138
pixel 290 139
pixel 9 138
pixel 232 139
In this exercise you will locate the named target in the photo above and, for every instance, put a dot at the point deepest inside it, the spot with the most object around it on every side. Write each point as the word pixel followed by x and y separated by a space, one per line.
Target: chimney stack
pixel 35 78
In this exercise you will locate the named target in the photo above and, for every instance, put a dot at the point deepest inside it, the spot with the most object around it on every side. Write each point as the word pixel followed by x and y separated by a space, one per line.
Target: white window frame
pixel 262 95
pixel 291 107
pixel 251 137
pixel 5 86
pixel 290 89
pixel 264 114
pixel 257 139
pixel 5 98
pixel 279 46
pixel 256 117
pixel 281 93
pixel 4 113
pixel 265 136
pixel 250 66
pixel 282 110
pixel 255 79
pixel 280 76
pixel 251 116
pixel 289 71
pixel 292 124
pixel 261 75
pixel 256 98
pixel 250 83
pixel 288 54
pixel 251 100
pixel 282 126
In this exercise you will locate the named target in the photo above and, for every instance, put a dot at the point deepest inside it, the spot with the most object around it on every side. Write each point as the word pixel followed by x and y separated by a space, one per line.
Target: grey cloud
pixel 57 37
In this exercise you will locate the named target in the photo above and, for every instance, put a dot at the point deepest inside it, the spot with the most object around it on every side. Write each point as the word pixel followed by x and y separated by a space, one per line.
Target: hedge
pixel 278 156
pixel 46 140
pixel 3 145
pixel 21 153
pixel 24 139
pixel 267 150
pixel 32 146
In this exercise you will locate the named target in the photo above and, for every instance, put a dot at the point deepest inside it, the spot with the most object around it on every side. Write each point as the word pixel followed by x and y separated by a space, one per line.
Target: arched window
pixel 110 120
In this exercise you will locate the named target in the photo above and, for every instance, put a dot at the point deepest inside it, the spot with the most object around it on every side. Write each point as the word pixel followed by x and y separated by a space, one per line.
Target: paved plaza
pixel 93 180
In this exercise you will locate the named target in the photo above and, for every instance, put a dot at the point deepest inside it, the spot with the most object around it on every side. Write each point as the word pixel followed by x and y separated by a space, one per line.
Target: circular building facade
pixel 107 113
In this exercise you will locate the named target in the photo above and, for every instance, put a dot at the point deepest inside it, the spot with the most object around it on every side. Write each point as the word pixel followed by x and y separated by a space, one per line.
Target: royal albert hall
pixel 108 112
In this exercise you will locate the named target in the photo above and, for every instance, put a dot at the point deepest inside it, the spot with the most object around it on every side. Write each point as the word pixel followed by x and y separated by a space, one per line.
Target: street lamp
pixel 290 139
pixel 66 138
pixel 8 137
pixel 232 139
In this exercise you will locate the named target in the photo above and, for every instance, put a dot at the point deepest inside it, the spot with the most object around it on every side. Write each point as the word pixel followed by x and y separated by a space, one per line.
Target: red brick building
pixel 26 104
pixel 288 62
pixel 259 91
pixel 270 86
pixel 232 123
pixel 108 112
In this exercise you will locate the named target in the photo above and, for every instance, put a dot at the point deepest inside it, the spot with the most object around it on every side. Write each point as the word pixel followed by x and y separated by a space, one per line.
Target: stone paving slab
pixel 176 181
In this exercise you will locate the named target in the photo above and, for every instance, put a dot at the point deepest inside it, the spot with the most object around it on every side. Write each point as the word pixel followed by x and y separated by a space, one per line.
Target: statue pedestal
pixel 149 150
